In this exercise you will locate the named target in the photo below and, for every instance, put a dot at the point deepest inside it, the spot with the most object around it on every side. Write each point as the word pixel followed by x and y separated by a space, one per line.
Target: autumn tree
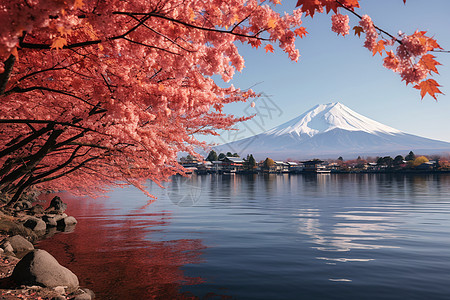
pixel 268 164
pixel 420 160
pixel 100 93
pixel 97 93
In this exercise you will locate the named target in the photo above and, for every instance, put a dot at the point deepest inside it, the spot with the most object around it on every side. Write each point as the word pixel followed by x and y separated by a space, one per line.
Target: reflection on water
pixel 351 230
pixel 116 256
pixel 354 236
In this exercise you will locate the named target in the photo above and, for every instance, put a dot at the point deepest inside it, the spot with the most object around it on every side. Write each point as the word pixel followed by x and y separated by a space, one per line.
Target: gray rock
pixel 59 216
pixel 40 268
pixel 7 247
pixel 36 210
pixel 57 205
pixel 21 205
pixel 13 228
pixel 35 224
pixel 60 290
pixel 83 296
pixel 66 222
pixel 50 221
pixel 20 244
pixel 90 292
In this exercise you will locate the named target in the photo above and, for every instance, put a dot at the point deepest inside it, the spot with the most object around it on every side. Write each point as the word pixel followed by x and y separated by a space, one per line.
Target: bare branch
pixel 4 77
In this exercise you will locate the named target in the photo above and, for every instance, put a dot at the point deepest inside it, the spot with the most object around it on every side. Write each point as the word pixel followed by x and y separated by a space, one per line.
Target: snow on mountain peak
pixel 326 117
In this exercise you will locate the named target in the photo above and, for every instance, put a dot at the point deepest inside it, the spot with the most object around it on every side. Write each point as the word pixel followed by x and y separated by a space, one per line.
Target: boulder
pixel 21 205
pixel 7 247
pixel 83 296
pixel 90 292
pixel 67 222
pixel 59 216
pixel 60 290
pixel 36 210
pixel 40 268
pixel 20 244
pixel 57 205
pixel 13 228
pixel 49 220
pixel 35 224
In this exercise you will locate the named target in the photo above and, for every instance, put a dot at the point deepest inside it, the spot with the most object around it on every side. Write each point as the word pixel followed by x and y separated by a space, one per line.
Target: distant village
pixel 232 163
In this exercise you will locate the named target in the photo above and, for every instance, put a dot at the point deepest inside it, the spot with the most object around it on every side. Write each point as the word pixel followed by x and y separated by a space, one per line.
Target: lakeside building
pixel 237 165
pixel 314 166
pixel 293 167
pixel 232 164
pixel 281 167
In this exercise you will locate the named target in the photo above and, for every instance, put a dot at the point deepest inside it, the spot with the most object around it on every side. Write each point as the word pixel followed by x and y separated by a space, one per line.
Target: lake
pixel 338 236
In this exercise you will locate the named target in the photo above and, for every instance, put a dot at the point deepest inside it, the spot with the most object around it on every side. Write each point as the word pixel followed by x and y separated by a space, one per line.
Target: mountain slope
pixel 331 130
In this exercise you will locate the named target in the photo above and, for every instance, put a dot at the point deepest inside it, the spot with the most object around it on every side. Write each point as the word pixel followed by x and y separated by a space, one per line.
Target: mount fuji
pixel 332 130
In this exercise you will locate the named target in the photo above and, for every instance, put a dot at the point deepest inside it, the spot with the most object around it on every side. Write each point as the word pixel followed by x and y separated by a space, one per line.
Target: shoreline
pixel 412 172
pixel 26 272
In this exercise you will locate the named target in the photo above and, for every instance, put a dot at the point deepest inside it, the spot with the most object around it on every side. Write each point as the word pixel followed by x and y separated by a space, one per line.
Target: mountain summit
pixel 326 117
pixel 332 130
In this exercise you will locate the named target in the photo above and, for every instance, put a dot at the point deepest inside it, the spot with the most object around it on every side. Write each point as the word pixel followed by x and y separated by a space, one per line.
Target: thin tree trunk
pixel 4 77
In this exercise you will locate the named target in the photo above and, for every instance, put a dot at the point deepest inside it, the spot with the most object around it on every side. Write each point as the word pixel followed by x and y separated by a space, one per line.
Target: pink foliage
pixel 120 87
pixel 371 33
pixel 340 24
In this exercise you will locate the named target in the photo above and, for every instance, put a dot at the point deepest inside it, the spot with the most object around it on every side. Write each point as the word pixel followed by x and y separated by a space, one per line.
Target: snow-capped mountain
pixel 332 130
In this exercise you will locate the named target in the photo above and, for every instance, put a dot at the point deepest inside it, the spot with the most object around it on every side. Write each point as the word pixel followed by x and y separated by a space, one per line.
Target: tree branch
pixel 32 162
pixel 28 121
pixel 82 164
pixel 28 139
pixel 4 77
pixel 43 88
pixel 156 15
pixel 360 17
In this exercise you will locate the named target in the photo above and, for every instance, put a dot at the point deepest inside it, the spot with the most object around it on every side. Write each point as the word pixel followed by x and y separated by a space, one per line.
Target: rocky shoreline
pixel 30 273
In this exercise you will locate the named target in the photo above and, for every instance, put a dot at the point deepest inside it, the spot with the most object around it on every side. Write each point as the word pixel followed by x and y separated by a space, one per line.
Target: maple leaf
pixel 428 61
pixel 432 44
pixel 268 48
pixel 301 32
pixel 59 43
pixel 335 5
pixel 358 30
pixel 272 23
pixel 350 3
pixel 255 43
pixel 379 47
pixel 310 6
pixel 78 4
pixel 429 86
pixel 191 15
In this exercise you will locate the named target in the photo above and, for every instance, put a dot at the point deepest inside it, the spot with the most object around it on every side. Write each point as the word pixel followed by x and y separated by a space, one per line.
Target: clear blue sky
pixel 335 68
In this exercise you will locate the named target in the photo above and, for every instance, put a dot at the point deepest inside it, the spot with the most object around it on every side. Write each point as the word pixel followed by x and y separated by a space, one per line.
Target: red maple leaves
pixel 430 87
pixel 411 58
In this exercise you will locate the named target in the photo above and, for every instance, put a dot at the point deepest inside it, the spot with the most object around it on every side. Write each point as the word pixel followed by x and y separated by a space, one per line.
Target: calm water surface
pixel 265 237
